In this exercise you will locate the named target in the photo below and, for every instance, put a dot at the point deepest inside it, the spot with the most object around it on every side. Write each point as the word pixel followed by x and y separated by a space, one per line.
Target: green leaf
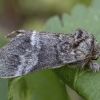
pixel 42 85
pixel 3 82
pixel 3 89
pixel 11 87
pixel 85 83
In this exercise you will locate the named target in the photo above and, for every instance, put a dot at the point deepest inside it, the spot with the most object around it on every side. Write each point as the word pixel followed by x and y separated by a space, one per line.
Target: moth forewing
pixel 31 51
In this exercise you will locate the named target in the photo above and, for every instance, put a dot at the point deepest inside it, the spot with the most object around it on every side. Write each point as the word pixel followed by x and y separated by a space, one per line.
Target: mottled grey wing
pixel 29 52
pixel 35 51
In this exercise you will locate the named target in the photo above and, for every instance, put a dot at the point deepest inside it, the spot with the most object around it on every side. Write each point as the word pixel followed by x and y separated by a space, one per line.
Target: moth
pixel 30 51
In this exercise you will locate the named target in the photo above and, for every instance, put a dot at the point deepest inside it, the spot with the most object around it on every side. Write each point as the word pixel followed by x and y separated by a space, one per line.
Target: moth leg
pixel 94 66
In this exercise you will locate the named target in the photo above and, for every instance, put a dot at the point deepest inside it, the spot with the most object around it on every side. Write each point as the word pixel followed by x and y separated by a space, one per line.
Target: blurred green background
pixel 31 15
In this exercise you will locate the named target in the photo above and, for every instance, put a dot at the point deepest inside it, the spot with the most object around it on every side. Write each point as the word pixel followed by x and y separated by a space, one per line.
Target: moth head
pixel 87 41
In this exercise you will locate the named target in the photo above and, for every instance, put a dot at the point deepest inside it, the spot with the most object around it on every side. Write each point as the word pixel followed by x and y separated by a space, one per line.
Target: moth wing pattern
pixel 27 53
pixel 31 51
